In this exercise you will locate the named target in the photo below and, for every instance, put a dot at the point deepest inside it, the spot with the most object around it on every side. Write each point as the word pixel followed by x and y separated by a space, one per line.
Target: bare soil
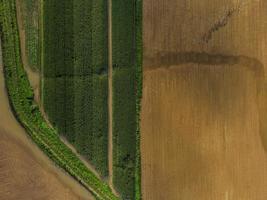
pixel 203 124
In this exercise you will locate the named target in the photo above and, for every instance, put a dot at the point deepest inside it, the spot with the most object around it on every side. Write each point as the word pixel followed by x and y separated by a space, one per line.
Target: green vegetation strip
pixel 27 112
pixel 31 13
pixel 139 88
pixel 127 92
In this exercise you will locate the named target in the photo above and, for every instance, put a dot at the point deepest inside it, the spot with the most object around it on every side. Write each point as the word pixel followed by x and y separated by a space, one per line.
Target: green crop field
pixel 75 75
pixel 126 54
pixel 124 129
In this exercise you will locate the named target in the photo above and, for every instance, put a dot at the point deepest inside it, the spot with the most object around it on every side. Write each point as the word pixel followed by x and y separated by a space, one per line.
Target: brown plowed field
pixel 203 134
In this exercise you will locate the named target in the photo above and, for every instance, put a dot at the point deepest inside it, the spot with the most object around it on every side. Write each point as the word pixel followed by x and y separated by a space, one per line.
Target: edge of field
pixel 28 114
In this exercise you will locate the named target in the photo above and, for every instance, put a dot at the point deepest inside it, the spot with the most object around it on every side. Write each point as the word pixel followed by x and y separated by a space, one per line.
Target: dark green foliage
pixel 82 37
pixel 90 37
pixel 83 115
pixel 31 15
pixel 27 112
pixel 100 123
pixel 99 41
pixel 124 129
pixel 75 55
pixel 58 98
pixel 69 109
pixel 123 33
pixel 127 91
pixel 58 38
pixel 139 87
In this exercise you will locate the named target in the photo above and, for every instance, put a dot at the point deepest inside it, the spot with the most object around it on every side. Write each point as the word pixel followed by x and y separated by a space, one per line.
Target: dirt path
pixel 201 126
pixel 25 172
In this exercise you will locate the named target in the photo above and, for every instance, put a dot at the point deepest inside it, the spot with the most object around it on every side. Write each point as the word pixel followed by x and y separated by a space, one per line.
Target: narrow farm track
pixel 203 128
pixel 110 98
pixel 26 173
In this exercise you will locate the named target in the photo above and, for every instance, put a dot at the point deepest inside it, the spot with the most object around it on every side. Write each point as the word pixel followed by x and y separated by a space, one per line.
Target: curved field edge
pixel 28 114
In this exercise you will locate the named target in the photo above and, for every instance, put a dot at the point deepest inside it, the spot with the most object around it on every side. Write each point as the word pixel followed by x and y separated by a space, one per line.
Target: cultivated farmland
pixel 203 135
pixel 75 75
pixel 126 43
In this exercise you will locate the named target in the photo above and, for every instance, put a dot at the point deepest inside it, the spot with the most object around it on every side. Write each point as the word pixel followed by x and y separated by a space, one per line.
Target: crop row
pixel 139 88
pixel 75 75
pixel 31 14
pixel 124 131
pixel 28 114
pixel 123 33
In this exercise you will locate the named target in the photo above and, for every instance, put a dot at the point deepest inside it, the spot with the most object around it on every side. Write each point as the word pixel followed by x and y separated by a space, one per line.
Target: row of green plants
pixel 127 92
pixel 91 120
pixel 124 131
pixel 57 88
pixel 123 33
pixel 28 114
pixel 91 62
pixel 31 14
pixel 139 88
pixel 75 75
pixel 90 37
pixel 58 100
pixel 58 38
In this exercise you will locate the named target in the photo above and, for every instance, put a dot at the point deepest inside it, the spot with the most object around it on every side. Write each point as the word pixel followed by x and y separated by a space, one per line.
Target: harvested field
pixel 25 173
pixel 203 133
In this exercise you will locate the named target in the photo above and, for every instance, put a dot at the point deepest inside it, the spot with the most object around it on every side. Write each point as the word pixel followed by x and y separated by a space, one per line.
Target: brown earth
pixel 25 172
pixel 203 125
